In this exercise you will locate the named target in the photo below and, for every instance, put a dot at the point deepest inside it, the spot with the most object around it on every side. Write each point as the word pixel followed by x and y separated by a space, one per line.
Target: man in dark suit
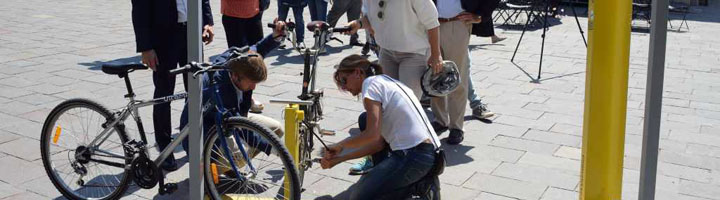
pixel 161 37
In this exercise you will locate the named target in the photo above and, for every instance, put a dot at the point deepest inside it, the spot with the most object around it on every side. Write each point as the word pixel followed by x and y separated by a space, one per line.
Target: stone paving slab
pixel 51 51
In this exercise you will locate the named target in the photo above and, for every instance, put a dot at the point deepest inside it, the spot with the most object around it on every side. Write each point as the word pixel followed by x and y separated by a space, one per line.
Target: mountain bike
pixel 310 98
pixel 87 153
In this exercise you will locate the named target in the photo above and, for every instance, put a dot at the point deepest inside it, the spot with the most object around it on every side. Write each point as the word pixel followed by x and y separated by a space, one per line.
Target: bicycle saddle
pixel 121 68
pixel 317 24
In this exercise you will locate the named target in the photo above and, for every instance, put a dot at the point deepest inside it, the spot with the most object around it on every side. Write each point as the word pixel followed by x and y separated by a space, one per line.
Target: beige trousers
pixel 454 39
pixel 408 68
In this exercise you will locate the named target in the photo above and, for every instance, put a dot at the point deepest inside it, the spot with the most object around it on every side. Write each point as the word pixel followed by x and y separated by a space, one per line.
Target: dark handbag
pixel 439 165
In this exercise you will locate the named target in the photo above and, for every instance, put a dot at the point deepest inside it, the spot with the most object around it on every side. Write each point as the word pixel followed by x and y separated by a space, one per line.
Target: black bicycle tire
pixel 275 143
pixel 46 133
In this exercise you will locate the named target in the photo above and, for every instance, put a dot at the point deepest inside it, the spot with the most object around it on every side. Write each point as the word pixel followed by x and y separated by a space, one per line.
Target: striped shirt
pixel 240 8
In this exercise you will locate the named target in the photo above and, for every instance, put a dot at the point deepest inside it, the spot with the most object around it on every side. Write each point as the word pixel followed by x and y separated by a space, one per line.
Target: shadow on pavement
pixel 456 154
pixel 95 65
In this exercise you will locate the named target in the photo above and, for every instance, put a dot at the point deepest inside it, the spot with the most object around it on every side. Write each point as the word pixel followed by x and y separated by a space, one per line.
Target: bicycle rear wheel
pixel 275 176
pixel 77 170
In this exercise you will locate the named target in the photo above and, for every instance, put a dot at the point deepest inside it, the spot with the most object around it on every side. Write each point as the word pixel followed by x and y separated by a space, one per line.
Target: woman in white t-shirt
pixel 394 120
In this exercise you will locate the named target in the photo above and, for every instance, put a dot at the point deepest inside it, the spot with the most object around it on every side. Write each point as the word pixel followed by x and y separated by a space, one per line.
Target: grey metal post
pixel 653 100
pixel 195 53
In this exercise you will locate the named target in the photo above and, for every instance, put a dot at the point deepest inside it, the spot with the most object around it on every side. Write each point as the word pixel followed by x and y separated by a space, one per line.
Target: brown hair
pixel 353 62
pixel 251 67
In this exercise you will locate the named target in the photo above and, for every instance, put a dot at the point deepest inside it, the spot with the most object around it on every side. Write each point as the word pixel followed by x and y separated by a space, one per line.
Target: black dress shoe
pixel 356 43
pixel 169 164
pixel 439 128
pixel 456 136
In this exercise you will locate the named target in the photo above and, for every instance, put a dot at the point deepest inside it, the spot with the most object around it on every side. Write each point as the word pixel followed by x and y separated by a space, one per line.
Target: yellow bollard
pixel 293 117
pixel 606 83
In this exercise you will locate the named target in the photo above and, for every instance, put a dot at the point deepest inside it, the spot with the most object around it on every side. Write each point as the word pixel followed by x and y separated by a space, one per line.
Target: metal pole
pixel 195 53
pixel 542 47
pixel 653 99
pixel 606 86
pixel 582 34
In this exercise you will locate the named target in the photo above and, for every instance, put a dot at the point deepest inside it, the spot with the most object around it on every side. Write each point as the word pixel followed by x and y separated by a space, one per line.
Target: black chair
pixel 682 9
pixel 641 10
pixel 502 11
pixel 531 8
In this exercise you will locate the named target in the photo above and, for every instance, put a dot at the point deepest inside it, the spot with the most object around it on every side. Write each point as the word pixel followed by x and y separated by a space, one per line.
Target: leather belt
pixel 443 20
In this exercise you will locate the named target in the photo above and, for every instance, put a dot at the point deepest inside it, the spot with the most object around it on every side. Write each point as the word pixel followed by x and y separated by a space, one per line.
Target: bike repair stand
pixel 293 117
pixel 545 28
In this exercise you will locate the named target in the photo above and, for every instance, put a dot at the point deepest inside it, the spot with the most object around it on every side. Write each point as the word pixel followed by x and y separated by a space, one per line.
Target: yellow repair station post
pixel 606 82
pixel 293 116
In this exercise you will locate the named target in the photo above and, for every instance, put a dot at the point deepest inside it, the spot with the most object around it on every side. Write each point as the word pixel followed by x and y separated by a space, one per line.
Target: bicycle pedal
pixel 327 132
pixel 168 188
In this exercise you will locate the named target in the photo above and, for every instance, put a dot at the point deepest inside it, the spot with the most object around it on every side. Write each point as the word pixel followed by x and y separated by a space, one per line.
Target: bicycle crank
pixel 144 172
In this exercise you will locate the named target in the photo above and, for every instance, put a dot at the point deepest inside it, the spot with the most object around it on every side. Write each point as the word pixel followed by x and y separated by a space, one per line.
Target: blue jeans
pixel 472 97
pixel 318 10
pixel 396 172
pixel 393 171
pixel 298 15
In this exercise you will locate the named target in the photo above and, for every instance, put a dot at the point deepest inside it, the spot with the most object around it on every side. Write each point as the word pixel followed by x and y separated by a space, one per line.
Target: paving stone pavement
pixel 50 51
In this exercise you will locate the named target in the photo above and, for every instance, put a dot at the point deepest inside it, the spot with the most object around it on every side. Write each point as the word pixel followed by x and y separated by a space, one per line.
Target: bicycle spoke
pixel 101 166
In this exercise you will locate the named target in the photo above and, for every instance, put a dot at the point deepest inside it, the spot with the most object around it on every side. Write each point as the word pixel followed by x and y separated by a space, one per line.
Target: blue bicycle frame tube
pixel 220 128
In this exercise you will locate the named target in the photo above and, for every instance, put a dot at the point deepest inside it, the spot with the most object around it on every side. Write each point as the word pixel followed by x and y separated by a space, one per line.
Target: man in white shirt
pixel 455 27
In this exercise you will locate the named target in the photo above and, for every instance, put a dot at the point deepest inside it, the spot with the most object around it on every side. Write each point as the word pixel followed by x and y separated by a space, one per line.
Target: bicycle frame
pixel 132 109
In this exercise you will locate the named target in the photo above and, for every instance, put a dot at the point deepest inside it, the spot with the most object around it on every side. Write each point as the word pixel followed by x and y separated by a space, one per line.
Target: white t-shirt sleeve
pixel 426 12
pixel 372 90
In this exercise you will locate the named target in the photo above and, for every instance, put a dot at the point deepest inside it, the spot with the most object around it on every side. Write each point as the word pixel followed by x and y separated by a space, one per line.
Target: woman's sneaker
pixel 363 167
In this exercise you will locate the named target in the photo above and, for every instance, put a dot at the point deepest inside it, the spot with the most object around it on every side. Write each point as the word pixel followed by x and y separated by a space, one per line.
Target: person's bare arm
pixel 366 143
pixel 435 60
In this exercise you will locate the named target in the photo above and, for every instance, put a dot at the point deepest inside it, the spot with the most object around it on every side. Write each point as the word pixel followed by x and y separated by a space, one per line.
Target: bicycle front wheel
pixel 77 168
pixel 250 163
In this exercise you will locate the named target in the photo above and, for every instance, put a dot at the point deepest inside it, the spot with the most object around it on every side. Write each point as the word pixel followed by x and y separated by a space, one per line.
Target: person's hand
pixel 150 59
pixel 371 31
pixel 328 163
pixel 330 158
pixel 354 27
pixel 208 34
pixel 279 29
pixel 469 17
pixel 435 62
pixel 332 151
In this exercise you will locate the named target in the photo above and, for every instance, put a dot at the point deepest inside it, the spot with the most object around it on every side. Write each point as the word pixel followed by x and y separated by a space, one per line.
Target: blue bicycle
pixel 87 153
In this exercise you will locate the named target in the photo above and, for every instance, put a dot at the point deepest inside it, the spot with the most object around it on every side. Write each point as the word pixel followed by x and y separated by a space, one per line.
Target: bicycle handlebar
pixel 180 70
pixel 289 25
pixel 196 68
pixel 341 29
